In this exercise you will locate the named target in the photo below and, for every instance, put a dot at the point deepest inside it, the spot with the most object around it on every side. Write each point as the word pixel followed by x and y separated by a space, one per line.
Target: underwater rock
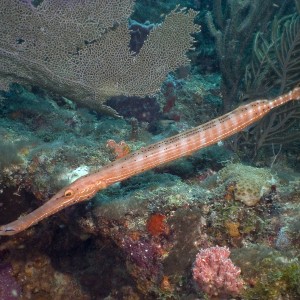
pixel 9 287
pixel 250 183
pixel 270 274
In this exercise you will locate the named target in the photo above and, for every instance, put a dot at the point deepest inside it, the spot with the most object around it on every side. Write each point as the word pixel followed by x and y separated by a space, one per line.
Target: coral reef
pixel 10 289
pixel 278 276
pixel 81 51
pixel 139 238
pixel 233 27
pixel 250 183
pixel 215 273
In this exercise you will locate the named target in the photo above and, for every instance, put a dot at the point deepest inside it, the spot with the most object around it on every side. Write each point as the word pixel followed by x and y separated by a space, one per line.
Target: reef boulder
pixel 250 183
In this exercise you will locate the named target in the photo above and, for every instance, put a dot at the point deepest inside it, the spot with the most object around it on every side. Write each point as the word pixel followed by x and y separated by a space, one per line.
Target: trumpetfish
pixel 172 148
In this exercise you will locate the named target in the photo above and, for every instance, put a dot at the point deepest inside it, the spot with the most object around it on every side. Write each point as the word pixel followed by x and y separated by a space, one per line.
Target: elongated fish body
pixel 170 149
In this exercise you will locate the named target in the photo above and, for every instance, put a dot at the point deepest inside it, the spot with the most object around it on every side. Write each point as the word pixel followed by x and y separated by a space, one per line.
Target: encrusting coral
pixel 215 273
pixel 250 182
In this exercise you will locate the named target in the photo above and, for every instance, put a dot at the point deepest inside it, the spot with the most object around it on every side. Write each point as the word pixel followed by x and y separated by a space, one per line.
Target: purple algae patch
pixel 9 287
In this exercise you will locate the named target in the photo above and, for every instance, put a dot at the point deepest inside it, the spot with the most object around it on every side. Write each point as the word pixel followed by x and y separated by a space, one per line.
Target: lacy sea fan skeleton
pixel 79 49
pixel 150 157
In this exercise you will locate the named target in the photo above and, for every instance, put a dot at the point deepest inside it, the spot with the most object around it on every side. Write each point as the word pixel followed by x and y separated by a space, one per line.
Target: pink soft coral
pixel 215 273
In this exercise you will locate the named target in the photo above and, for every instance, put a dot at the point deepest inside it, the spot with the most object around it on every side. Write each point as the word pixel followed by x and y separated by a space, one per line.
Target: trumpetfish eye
pixel 69 193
